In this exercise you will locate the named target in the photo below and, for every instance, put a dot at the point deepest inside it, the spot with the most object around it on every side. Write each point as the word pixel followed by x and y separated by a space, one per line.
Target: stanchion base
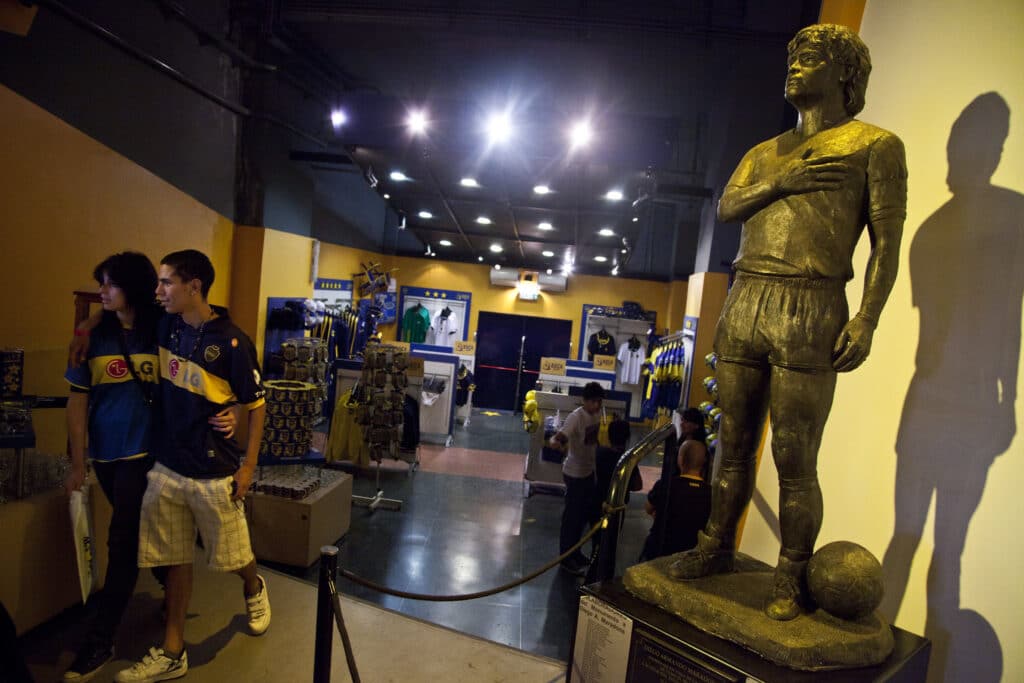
pixel 377 501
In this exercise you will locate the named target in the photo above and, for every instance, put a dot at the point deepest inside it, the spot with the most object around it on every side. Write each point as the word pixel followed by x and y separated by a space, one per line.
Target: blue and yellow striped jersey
pixel 120 419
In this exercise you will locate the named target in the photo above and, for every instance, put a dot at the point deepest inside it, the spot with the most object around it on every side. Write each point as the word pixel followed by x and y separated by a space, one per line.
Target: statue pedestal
pixel 619 638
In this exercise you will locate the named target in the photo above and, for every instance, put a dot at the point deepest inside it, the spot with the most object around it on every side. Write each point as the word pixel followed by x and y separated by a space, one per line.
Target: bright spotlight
pixel 605 232
pixel 600 259
pixel 417 122
pixel 480 258
pixel 497 266
pixel 547 253
pixel 541 189
pixel 545 226
pixel 549 271
pixel 613 195
pixel 499 128
pixel 496 248
pixel 615 270
pixel 635 219
pixel 580 134
pixel 398 176
pixel 445 243
pixel 387 196
pixel 469 182
pixel 338 118
pixel 425 215
pixel 483 220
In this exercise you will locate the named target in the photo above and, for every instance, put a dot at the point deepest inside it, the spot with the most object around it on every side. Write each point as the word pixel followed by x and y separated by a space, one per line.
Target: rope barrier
pixel 366 583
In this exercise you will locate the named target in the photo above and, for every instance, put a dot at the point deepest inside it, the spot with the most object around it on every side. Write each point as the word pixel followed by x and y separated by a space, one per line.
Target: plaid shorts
pixel 174 506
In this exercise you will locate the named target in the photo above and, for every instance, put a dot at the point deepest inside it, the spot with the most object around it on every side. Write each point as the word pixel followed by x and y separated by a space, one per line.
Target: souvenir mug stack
pixel 381 394
pixel 288 431
pixel 294 481
pixel 305 360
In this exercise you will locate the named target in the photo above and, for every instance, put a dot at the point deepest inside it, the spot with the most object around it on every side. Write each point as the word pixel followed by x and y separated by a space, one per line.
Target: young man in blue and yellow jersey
pixel 200 477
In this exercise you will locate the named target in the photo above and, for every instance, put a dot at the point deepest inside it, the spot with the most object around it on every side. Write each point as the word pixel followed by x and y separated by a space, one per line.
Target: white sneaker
pixel 156 666
pixel 257 607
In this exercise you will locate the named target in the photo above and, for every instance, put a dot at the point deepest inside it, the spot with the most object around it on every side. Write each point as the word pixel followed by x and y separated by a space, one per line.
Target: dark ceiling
pixel 660 82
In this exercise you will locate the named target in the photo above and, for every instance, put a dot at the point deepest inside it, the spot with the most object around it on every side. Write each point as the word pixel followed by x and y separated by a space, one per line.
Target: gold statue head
pixel 844 47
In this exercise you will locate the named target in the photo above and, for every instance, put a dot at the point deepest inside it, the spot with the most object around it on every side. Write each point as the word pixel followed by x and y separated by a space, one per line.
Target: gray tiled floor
pixel 457 534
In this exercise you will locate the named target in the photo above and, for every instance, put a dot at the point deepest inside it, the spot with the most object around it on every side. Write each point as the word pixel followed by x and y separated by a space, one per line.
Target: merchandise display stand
pixel 440 366
pixel 347 374
pixel 546 475
pixel 618 638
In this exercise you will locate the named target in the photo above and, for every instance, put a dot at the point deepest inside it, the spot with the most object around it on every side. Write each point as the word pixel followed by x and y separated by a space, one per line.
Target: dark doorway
pixel 508 352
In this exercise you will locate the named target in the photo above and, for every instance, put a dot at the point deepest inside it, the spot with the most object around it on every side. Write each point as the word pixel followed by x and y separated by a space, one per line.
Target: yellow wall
pixel 930 61
pixel 341 262
pixel 68 203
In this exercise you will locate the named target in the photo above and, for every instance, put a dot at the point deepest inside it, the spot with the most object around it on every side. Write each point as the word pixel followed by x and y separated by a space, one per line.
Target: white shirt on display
pixel 443 329
pixel 631 362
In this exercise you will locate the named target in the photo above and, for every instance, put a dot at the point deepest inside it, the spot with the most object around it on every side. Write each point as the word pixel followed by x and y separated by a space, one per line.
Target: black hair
pixel 694 415
pixel 134 274
pixel 190 264
pixel 618 433
pixel 593 391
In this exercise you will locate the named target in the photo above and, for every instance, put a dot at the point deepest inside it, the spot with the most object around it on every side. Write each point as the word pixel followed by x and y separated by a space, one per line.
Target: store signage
pixel 552 366
pixel 604 363
pixel 465 348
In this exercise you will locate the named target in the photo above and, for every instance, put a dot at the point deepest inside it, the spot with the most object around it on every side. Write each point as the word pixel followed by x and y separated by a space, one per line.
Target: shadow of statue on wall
pixel 958 416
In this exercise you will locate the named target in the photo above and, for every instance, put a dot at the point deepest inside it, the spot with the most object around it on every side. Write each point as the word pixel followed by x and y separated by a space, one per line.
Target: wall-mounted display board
pixel 438 317
pixel 333 292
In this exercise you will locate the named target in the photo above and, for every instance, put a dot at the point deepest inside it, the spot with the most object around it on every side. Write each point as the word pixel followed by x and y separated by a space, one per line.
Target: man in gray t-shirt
pixel 578 438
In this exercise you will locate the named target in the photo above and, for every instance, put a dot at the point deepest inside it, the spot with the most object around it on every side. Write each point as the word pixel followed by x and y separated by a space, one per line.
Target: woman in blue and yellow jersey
pixel 111 397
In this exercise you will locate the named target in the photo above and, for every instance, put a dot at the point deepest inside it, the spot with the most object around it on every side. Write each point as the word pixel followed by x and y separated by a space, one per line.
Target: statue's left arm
pixel 887 210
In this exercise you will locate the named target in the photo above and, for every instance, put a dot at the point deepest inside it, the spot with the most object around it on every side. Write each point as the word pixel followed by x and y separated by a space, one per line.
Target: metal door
pixel 508 352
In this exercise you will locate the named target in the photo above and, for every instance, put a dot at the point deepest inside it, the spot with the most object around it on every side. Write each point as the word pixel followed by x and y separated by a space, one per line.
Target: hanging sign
pixel 604 363
pixel 552 366
pixel 465 348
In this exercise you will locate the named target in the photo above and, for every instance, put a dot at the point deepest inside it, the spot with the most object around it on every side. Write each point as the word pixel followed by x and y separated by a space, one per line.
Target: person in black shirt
pixel 680 506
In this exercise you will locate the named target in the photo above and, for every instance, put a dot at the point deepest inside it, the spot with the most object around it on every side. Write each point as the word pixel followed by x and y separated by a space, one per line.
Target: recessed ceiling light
pixel 496 248
pixel 387 196
pixel 541 189
pixel 480 258
pixel 636 218
pixel 425 215
pixel 483 220
pixel 499 128
pixel 624 251
pixel 497 266
pixel 545 226
pixel 580 134
pixel 549 271
pixel 547 253
pixel 613 195
pixel 338 118
pixel 605 232
pixel 417 122
pixel 445 243
pixel 469 182
pixel 398 176
pixel 600 259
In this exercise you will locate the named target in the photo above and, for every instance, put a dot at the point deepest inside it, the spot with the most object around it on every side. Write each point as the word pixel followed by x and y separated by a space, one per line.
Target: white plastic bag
pixel 81 528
